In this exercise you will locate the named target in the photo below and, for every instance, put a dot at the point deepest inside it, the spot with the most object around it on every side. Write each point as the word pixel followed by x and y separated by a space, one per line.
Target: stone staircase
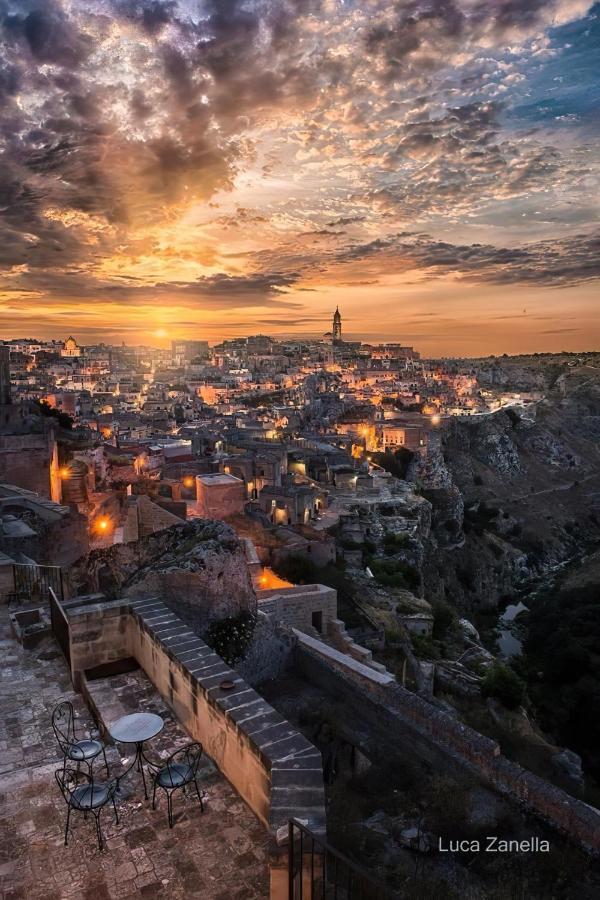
pixel 340 638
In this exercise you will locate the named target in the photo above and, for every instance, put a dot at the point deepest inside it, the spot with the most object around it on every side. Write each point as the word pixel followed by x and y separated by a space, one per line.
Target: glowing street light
pixel 188 481
pixel 102 524
pixel 436 419
pixel 64 472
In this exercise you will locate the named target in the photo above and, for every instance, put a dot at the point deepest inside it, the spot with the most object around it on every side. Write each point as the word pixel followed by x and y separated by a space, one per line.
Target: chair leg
pixel 199 795
pixel 105 761
pixel 99 830
pixel 115 809
pixel 170 808
pixel 67 826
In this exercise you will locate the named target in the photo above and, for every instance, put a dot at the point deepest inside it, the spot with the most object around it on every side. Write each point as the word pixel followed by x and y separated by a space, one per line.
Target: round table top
pixel 135 728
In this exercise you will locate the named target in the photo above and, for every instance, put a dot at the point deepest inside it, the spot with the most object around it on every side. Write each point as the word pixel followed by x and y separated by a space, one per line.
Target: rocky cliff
pixel 199 569
pixel 513 493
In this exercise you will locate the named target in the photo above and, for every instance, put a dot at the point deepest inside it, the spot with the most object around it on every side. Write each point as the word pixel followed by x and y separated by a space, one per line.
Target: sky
pixel 214 168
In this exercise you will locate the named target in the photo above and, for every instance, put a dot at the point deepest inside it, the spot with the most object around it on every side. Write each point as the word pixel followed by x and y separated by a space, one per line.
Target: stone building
pixel 48 532
pixel 413 437
pixel 308 607
pixel 70 348
pixel 220 495
pixel 292 504
pixel 257 466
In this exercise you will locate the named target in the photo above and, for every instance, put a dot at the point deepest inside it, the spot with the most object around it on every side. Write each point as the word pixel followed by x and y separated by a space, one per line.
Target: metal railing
pixel 34 582
pixel 60 624
pixel 316 871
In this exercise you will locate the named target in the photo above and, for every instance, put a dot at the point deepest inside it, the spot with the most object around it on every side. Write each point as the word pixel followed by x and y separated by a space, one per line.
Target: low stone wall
pixel 406 715
pixel 270 764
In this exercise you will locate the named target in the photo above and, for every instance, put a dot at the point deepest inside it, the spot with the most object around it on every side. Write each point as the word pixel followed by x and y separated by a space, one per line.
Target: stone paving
pixel 218 855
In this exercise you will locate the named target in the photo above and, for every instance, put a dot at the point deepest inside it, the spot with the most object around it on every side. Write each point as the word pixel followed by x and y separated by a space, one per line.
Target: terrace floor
pixel 218 855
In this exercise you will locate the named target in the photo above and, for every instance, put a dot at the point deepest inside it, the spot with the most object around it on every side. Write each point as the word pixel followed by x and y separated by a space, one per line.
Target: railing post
pixel 291 860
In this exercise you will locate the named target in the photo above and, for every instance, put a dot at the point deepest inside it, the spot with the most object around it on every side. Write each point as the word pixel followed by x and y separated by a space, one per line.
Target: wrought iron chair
pixel 180 770
pixel 73 749
pixel 89 797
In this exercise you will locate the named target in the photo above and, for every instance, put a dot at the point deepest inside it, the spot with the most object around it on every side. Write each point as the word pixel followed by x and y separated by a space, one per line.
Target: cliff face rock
pixel 523 493
pixel 512 377
pixel 199 569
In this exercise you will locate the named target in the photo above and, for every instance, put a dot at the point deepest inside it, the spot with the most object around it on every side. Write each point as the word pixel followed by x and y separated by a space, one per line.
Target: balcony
pixel 136 655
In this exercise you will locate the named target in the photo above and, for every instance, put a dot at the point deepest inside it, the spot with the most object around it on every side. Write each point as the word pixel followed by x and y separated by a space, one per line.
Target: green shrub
pixel 393 542
pixel 230 637
pixel 501 682
pixel 395 573
pixel 424 646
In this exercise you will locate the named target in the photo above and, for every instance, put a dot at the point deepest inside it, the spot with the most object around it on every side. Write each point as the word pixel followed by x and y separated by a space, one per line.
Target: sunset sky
pixel 175 168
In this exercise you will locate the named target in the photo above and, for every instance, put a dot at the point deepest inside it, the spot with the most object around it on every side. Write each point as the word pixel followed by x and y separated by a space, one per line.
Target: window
pixel 317 621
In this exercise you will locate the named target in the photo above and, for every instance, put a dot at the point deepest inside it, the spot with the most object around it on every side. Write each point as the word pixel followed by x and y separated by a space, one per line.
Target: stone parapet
pixel 430 731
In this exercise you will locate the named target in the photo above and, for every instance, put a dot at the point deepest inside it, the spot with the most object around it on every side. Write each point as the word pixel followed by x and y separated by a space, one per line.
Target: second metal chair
pixel 180 770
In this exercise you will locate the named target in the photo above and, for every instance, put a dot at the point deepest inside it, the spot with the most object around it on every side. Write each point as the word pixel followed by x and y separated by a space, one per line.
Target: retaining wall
pixel 432 731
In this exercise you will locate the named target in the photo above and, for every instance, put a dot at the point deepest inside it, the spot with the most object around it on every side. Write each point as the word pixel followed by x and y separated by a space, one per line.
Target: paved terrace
pixel 220 855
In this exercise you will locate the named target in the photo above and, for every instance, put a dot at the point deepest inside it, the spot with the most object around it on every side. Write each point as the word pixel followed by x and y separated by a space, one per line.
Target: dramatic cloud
pixel 245 154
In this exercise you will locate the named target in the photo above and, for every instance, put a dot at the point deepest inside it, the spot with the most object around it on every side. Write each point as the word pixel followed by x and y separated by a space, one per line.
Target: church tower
pixel 337 326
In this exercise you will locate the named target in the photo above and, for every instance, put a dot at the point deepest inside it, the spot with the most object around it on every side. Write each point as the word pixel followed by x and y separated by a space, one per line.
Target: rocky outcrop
pixel 199 569
pixel 512 495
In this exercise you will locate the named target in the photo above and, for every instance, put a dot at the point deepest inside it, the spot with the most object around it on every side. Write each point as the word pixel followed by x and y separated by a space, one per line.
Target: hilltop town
pixel 342 533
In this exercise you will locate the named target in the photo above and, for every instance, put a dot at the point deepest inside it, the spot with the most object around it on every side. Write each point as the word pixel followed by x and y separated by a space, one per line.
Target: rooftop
pixel 218 479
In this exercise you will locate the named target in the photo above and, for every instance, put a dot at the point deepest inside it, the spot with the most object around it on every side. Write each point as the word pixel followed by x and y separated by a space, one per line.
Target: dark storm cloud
pixel 557 263
pixel 45 31
pixel 151 15
pixel 220 291
pixel 415 37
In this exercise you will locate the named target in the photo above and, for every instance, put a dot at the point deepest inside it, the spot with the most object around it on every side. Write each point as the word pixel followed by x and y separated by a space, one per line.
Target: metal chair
pixel 88 797
pixel 78 751
pixel 180 770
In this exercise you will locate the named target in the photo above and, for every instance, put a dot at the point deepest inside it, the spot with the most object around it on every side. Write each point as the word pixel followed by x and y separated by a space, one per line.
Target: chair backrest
pixel 68 780
pixel 63 724
pixel 189 755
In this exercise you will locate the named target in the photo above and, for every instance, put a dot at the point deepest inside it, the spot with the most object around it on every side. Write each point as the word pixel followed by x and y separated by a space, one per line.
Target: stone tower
pixel 337 326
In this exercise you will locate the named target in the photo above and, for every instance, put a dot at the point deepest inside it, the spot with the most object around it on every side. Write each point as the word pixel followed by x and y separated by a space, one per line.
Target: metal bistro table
pixel 136 729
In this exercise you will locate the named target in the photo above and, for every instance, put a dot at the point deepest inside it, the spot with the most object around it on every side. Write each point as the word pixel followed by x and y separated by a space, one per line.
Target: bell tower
pixel 337 326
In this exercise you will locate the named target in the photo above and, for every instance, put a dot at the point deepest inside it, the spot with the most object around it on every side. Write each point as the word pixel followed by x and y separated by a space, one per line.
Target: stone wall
pixel 295 606
pixel 408 719
pixel 30 461
pixel 270 764
pixel 269 653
